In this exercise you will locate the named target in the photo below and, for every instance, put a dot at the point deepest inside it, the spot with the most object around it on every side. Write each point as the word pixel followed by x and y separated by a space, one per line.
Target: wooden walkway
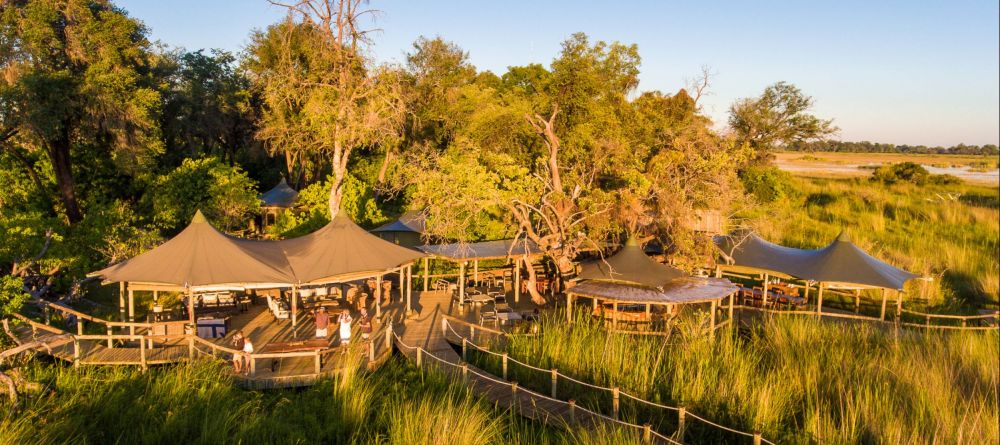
pixel 423 340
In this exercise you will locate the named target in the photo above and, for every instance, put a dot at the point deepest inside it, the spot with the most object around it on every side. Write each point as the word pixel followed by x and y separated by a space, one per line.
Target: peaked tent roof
pixel 412 221
pixel 482 250
pixel 280 195
pixel 340 249
pixel 630 265
pixel 841 261
pixel 201 255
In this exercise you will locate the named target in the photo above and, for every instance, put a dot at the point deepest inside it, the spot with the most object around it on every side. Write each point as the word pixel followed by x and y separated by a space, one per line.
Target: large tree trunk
pixel 63 169
pixel 336 194
pixel 536 297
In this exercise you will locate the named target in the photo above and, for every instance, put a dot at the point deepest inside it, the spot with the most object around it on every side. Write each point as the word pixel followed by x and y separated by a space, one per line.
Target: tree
pixel 322 98
pixel 208 107
pixel 225 194
pixel 75 72
pixel 777 118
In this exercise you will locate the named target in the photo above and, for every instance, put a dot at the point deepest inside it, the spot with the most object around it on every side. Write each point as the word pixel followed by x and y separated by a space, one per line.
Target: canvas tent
pixel 272 202
pixel 405 231
pixel 631 277
pixel 201 257
pixel 840 264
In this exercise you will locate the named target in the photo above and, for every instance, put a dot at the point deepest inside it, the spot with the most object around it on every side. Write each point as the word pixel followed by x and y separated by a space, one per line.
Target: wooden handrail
pixel 954 317
pixel 38 325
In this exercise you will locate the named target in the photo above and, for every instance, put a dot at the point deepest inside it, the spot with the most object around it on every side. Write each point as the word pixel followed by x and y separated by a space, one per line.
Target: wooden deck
pixel 424 341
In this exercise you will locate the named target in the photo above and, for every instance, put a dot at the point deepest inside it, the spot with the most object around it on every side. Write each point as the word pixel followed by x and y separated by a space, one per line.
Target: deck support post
pixel 191 348
pixel 899 305
pixel 427 273
pixel 131 311
pixel 767 280
pixel 79 326
pixel 614 316
pixel 715 306
pixel 756 438
pixel 253 365
pixel 882 313
pixel 409 288
pixel 402 276
pixel 378 296
pixel 517 281
pixel 76 353
pixel 318 364
pixel 857 301
pixel 111 342
pixel 142 353
pixel 572 411
pixel 121 301
pixel 371 353
pixel 647 433
pixel 461 287
pixel 295 307
pixel 819 301
pixel 388 336
pixel 732 299
pixel 465 349
pixel 190 296
pixel 569 307
pixel 420 357
pixel 475 271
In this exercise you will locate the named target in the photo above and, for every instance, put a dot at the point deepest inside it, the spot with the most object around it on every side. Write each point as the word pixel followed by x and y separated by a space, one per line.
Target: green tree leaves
pixel 225 194
pixel 778 117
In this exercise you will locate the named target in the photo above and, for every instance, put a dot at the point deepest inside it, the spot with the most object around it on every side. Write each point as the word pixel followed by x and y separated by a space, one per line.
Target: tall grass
pixel 796 380
pixel 919 228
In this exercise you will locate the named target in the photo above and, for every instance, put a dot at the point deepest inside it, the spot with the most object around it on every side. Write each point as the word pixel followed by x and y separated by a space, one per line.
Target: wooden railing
pixel 927 325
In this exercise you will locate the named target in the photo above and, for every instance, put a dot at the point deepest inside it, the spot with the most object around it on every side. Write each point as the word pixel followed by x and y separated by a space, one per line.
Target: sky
pixel 903 72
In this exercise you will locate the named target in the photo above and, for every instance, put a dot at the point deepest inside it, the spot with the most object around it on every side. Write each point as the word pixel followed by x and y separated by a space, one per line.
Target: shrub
pixel 767 184
pixel 224 193
pixel 901 172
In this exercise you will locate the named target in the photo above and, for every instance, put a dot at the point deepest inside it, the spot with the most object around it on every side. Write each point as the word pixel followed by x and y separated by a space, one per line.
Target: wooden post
pixel 572 411
pixel 899 305
pixel 465 370
pixel 191 348
pixel 614 316
pixel 718 271
pixel 121 301
pixel 190 296
pixel 517 281
pixel 555 380
pixel 569 307
pixel 371 352
pixel 142 353
pixel 420 356
pixel 647 433
pixel 461 287
pixel 766 285
pixel 475 271
pixel 409 288
pixel 131 311
pixel 505 366
pixel 681 420
pixel 882 314
pixel 76 353
pixel 513 394
pixel 857 301
pixel 79 326
pixel 402 273
pixel 615 392
pixel 111 342
pixel 732 299
pixel 318 363
pixel 388 336
pixel 378 296
pixel 253 365
pixel 756 438
pixel 819 301
pixel 444 327
pixel 714 306
pixel 295 307
pixel 427 273
pixel 465 349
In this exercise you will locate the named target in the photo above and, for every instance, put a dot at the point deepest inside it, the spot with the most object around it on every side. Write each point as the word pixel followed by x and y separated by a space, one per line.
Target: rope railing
pixel 926 325
pixel 647 433
pixel 615 392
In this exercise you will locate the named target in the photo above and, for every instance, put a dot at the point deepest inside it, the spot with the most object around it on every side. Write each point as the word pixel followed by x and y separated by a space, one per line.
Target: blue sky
pixel 905 72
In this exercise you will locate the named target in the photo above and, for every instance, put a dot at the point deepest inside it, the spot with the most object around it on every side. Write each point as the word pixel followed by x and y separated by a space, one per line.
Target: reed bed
pixel 796 380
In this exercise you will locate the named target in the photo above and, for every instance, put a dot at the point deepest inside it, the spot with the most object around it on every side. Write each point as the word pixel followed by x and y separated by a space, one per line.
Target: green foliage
pixel 778 117
pixel 767 184
pixel 225 194
pixel 358 203
pixel 12 295
pixel 902 172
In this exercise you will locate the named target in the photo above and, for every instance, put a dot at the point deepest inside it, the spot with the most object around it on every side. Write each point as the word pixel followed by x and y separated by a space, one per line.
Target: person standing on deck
pixel 365 324
pixel 345 327
pixel 247 350
pixel 322 322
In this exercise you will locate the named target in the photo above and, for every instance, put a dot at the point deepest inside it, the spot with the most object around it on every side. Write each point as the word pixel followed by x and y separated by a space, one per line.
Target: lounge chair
pixel 278 309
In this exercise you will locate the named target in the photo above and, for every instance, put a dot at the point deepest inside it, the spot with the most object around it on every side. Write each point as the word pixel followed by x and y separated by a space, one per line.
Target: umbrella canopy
pixel 412 221
pixel 201 255
pixel 839 262
pixel 280 196
pixel 342 249
pixel 630 265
